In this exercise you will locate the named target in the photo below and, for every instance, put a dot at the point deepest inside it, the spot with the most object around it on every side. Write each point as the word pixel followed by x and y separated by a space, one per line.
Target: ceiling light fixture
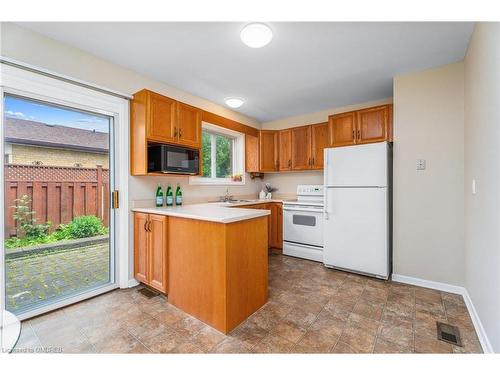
pixel 234 102
pixel 256 35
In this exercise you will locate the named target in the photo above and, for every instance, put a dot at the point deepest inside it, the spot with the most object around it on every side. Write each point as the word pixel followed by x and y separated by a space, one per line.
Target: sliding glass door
pixel 58 220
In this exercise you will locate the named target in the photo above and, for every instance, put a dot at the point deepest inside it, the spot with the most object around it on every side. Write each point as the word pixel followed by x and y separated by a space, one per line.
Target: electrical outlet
pixel 420 164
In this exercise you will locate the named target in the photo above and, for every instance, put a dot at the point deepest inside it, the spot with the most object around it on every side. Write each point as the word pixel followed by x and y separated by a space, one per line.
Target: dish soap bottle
pixel 178 195
pixel 159 196
pixel 169 196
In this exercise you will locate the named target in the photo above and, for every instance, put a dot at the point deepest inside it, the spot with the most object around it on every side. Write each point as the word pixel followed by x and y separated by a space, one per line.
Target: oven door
pixel 303 225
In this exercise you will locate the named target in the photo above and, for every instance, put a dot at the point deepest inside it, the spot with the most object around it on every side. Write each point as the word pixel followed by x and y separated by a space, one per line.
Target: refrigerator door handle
pixel 325 184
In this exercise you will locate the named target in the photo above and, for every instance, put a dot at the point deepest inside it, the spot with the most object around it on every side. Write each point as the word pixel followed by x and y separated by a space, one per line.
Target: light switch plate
pixel 420 164
pixel 473 187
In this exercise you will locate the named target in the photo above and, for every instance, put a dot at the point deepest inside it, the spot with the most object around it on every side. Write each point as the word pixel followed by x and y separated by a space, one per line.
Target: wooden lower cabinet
pixel 218 272
pixel 275 222
pixel 151 250
pixel 276 226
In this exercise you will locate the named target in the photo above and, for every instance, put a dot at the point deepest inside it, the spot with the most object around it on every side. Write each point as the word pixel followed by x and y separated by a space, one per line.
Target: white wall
pixel 287 182
pixel 482 162
pixel 429 204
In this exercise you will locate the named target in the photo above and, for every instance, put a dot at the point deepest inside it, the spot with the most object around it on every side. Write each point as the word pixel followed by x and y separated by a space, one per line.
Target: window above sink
pixel 223 155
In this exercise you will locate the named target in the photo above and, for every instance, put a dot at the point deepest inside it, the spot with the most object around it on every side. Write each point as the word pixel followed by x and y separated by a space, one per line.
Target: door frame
pixel 30 84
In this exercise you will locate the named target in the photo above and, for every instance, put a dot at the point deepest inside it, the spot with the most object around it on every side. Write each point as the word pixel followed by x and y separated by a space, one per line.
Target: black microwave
pixel 173 159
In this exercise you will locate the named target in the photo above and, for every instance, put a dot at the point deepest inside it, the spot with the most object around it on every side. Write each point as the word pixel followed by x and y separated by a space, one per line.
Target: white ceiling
pixel 307 67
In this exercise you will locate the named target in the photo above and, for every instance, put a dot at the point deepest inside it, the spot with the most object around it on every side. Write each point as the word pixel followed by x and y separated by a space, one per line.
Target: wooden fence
pixel 58 194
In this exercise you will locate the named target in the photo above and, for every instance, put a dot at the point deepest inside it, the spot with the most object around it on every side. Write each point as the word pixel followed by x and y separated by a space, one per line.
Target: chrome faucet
pixel 227 197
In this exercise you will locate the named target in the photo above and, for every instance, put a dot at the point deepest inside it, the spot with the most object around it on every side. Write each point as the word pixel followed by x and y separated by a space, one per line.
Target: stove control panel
pixel 310 190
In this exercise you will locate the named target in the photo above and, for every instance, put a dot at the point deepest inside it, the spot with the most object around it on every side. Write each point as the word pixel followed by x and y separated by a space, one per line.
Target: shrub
pixel 28 228
pixel 81 227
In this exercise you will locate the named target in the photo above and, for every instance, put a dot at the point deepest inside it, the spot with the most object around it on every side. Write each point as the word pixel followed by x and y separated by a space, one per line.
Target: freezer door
pixel 360 165
pixel 356 230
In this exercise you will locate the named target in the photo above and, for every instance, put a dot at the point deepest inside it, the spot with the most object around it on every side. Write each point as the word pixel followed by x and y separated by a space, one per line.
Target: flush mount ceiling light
pixel 256 35
pixel 234 102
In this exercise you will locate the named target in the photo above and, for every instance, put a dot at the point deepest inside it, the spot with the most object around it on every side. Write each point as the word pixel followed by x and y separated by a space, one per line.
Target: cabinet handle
pixel 290 163
pixel 149 225
pixel 146 226
pixel 180 132
pixel 313 161
pixel 309 161
pixel 353 135
pixel 359 135
pixel 175 132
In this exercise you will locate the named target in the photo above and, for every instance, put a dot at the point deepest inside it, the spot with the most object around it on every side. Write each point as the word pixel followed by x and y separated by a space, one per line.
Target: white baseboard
pixel 429 284
pixel 481 333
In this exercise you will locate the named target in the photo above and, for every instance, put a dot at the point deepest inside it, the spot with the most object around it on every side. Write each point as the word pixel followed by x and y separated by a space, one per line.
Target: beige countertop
pixel 220 212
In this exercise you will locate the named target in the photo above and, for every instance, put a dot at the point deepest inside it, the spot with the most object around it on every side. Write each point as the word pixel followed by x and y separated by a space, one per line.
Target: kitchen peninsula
pixel 211 259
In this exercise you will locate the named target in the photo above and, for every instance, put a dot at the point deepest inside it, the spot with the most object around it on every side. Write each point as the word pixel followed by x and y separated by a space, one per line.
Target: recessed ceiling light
pixel 234 102
pixel 256 35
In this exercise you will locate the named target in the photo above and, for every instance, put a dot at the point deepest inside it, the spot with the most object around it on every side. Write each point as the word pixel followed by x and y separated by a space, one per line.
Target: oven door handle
pixel 303 210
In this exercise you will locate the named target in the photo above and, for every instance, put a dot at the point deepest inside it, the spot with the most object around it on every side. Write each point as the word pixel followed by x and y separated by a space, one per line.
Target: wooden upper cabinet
pixel 158 263
pixel 161 126
pixel 188 126
pixel 268 151
pixel 285 149
pixel 342 129
pixel 141 244
pixel 372 124
pixel 320 141
pixel 390 127
pixel 251 153
pixel 301 148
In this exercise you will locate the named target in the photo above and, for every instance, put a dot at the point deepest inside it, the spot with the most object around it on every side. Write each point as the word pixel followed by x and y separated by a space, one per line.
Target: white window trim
pixel 238 158
pixel 32 85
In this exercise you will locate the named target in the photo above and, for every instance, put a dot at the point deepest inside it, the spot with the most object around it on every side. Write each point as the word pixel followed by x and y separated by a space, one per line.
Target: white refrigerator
pixel 357 217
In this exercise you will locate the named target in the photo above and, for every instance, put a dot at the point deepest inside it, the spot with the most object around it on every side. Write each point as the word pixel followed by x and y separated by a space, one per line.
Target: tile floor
pixel 311 309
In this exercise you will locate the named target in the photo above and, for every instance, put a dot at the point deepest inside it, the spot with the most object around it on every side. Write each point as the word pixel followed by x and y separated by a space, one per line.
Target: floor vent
pixel 448 333
pixel 147 292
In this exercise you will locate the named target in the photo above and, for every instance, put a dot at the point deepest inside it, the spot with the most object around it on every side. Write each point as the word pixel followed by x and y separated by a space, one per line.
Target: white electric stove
pixel 303 224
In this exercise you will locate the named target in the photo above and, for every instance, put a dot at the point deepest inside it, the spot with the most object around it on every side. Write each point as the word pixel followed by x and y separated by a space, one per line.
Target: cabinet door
pixel 275 240
pixel 158 263
pixel 390 126
pixel 251 153
pixel 342 129
pixel 372 124
pixel 319 133
pixel 162 118
pixel 141 253
pixel 188 125
pixel 268 150
pixel 301 148
pixel 285 149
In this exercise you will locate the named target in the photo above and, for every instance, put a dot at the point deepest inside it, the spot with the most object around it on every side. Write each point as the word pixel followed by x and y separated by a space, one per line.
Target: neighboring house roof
pixel 35 133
